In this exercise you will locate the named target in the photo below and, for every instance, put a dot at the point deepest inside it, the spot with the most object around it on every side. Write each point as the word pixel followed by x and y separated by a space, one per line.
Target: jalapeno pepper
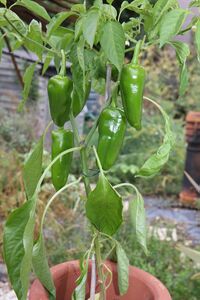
pixel 111 128
pixel 61 140
pixel 59 92
pixel 132 86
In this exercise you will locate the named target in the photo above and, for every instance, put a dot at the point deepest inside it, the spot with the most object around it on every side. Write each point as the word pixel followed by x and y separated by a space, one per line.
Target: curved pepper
pixel 59 92
pixel 132 87
pixel 112 127
pixel 77 102
pixel 61 140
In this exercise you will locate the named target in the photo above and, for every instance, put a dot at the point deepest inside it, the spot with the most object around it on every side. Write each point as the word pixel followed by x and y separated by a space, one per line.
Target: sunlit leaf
pixel 34 7
pixel 122 269
pixel 90 23
pixel 18 243
pixel 27 79
pixel 40 266
pixel 104 207
pixel 138 220
pixel 114 49
pixel 171 24
pixel 33 169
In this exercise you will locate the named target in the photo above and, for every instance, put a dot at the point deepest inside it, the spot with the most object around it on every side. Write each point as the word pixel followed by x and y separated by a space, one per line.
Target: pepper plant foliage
pixel 95 46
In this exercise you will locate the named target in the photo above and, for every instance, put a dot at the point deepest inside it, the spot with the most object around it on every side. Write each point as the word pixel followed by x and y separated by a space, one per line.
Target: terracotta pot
pixel 142 286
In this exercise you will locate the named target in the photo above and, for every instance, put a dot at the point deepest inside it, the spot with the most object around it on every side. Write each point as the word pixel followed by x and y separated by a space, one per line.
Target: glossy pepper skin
pixel 61 140
pixel 59 92
pixel 132 86
pixel 77 102
pixel 111 128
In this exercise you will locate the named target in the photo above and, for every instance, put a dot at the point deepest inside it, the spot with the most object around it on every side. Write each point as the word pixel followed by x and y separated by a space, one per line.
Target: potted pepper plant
pixel 95 46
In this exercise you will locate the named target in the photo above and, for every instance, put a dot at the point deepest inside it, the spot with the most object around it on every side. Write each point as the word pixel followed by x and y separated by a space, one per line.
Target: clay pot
pixel 189 195
pixel 142 286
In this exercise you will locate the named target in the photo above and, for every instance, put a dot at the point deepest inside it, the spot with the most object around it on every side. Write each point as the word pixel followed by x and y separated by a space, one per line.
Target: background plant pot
pixel 142 286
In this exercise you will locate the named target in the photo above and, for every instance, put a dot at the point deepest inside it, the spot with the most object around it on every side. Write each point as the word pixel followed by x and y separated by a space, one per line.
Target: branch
pixel 17 70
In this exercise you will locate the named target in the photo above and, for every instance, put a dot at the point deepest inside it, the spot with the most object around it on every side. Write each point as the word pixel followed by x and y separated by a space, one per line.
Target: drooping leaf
pixel 56 22
pixel 122 269
pixel 18 243
pixel 138 220
pixel 104 207
pixel 78 75
pixel 33 169
pixel 40 266
pixel 34 7
pixel 27 79
pixel 78 28
pixel 79 292
pixel 81 53
pixel 193 254
pixel 171 24
pixel 182 51
pixel 47 62
pixel 1 45
pixel 90 23
pixel 114 49
pixel 197 38
pixel 183 80
pixel 154 164
pixel 34 41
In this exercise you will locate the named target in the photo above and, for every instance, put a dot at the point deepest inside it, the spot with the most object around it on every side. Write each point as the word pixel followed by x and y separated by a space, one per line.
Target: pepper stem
pixel 137 52
pixel 63 64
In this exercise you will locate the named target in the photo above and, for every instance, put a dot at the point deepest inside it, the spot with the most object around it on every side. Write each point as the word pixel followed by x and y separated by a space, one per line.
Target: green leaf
pixel 184 81
pixel 78 28
pixel 182 51
pixel 34 7
pixel 18 243
pixel 7 16
pixel 33 169
pixel 155 163
pixel 56 22
pixel 197 38
pixel 138 220
pixel 104 207
pixel 1 45
pixel 80 53
pixel 113 43
pixel 194 3
pixel 47 62
pixel 193 254
pixel 3 2
pixel 171 24
pixel 27 79
pixel 35 34
pixel 78 75
pixel 108 11
pixel 90 24
pixel 79 292
pixel 122 269
pixel 161 7
pixel 40 266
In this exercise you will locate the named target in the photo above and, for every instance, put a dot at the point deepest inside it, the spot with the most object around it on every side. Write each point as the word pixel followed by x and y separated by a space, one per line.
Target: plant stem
pixel 137 52
pixel 100 268
pixel 82 153
pixel 63 65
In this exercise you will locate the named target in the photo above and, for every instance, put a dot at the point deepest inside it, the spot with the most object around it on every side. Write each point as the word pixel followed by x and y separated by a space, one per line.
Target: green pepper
pixel 111 128
pixel 132 87
pixel 61 140
pixel 77 102
pixel 59 92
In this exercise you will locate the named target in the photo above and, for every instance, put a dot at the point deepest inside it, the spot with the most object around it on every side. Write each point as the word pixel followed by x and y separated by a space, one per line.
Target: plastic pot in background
pixel 142 285
pixel 189 195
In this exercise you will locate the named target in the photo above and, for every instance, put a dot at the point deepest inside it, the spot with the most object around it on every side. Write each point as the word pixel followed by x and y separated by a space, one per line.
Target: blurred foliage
pixel 14 132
